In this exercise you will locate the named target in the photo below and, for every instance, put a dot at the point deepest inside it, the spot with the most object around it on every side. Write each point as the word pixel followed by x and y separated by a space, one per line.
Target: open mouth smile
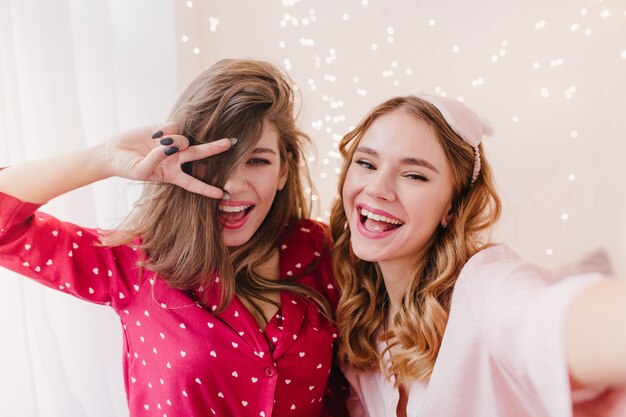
pixel 376 223
pixel 234 215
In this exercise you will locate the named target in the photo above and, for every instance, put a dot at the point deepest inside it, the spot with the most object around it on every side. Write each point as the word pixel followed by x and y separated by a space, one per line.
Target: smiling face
pixel 398 190
pixel 252 189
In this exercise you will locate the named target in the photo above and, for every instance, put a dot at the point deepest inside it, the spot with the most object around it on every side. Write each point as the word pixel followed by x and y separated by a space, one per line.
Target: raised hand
pixel 133 154
pixel 157 154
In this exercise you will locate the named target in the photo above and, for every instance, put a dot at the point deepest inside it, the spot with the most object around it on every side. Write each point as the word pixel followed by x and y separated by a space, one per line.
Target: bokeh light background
pixel 550 77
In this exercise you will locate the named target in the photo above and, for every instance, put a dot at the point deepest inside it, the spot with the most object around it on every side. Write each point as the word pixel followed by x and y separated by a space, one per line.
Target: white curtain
pixel 72 73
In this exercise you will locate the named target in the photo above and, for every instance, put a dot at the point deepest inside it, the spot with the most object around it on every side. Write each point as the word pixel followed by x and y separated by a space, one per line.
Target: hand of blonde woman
pixel 157 154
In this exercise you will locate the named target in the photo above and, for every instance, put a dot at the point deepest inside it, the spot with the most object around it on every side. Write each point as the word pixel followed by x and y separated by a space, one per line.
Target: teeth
pixel 233 209
pixel 379 218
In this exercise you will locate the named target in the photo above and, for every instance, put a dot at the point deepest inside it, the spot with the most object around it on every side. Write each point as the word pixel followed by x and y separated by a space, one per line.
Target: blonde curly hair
pixel 421 321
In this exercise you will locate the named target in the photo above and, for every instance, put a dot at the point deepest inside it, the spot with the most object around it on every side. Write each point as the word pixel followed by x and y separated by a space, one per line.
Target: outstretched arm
pixel 133 154
pixel 596 335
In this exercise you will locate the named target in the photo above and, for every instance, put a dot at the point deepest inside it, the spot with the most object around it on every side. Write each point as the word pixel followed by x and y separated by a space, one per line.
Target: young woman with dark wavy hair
pixel 222 284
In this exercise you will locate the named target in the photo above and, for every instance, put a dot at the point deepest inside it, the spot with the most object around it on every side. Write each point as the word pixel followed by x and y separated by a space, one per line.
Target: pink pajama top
pixel 181 359
pixel 502 353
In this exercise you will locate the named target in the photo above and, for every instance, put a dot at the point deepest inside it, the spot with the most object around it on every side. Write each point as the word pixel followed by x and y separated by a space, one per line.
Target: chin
pixel 234 241
pixel 366 254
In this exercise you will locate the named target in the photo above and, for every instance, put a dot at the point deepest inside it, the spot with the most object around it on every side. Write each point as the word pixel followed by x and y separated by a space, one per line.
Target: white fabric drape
pixel 71 74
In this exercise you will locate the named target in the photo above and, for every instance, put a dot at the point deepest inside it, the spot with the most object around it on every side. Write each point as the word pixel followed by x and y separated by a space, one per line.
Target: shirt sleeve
pixel 521 311
pixel 64 256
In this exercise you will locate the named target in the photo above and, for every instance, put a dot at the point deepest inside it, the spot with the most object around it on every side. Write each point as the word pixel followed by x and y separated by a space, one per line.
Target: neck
pixel 397 276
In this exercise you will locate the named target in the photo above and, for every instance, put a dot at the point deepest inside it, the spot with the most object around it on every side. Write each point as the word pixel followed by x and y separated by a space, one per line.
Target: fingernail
pixel 233 141
pixel 157 134
pixel 226 196
pixel 170 151
pixel 166 141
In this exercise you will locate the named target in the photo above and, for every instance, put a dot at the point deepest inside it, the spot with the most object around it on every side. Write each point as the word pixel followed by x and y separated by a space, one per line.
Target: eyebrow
pixel 263 150
pixel 404 161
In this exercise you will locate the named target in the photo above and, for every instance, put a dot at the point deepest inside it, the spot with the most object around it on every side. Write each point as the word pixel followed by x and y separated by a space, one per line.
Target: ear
pixel 445 219
pixel 283 175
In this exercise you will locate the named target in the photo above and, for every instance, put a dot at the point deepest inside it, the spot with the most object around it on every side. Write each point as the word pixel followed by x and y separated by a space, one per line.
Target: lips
pixel 375 223
pixel 234 214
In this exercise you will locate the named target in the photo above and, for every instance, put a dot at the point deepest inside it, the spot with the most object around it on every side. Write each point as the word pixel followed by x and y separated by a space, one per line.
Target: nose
pixel 379 187
pixel 236 184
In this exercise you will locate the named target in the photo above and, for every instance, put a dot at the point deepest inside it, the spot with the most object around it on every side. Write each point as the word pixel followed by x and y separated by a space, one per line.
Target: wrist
pixel 103 161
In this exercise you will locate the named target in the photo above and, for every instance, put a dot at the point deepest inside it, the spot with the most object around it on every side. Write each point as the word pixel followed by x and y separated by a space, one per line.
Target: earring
pixel 444 225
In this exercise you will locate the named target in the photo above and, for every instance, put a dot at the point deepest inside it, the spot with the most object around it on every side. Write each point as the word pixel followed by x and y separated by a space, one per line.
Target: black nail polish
pixel 157 134
pixel 166 141
pixel 171 151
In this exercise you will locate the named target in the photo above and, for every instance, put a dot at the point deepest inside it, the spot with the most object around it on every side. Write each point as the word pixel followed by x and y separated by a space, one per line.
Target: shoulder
pixel 496 261
pixel 304 247
pixel 497 272
pixel 496 253
pixel 312 227
pixel 306 234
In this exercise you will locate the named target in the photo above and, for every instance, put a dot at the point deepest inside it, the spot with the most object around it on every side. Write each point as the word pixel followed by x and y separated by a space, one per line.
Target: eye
pixel 258 161
pixel 416 177
pixel 365 164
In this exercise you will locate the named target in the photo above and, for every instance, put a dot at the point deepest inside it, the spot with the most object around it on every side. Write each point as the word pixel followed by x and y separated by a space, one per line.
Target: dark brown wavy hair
pixel 420 323
pixel 180 231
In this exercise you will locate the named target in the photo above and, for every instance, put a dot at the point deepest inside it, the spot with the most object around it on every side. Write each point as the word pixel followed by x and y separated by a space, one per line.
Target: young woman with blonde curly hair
pixel 436 321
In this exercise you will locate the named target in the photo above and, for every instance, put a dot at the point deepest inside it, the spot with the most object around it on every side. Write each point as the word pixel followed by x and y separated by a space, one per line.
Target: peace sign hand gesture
pixel 157 154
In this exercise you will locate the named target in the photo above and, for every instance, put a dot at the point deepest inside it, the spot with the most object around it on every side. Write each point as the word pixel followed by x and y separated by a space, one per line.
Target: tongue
pixel 233 216
pixel 376 226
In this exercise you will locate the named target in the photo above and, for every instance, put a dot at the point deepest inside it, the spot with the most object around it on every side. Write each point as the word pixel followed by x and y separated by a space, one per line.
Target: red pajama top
pixel 181 359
